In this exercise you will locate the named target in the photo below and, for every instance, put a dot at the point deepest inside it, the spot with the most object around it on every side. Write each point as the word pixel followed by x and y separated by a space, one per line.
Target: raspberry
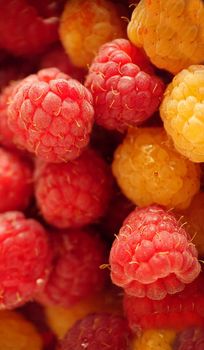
pixel 76 193
pixel 76 273
pixel 190 339
pixel 125 90
pixel 149 170
pixel 182 111
pixel 176 311
pixel 86 25
pixel 6 135
pixel 192 218
pixel 21 27
pixel 24 259
pixel 15 181
pixel 155 339
pixel 18 333
pixel 98 331
pixel 171 34
pixel 152 256
pixel 51 115
pixel 57 57
pixel 61 320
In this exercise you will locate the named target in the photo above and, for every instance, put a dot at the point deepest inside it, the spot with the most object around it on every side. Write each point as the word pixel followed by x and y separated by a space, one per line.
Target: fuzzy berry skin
pixel 51 115
pixel 76 193
pixel 76 272
pixel 149 170
pixel 21 27
pixel 178 311
pixel 98 331
pixel 159 28
pixel 18 333
pixel 125 90
pixel 154 339
pixel 86 25
pixel 16 181
pixel 181 111
pixel 24 259
pixel 152 256
pixel 190 339
pixel 57 57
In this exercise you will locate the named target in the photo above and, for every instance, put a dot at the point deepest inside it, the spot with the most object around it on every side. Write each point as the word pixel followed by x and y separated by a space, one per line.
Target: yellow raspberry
pixel 149 170
pixel 182 111
pixel 16 333
pixel 155 339
pixel 192 218
pixel 61 319
pixel 88 24
pixel 170 31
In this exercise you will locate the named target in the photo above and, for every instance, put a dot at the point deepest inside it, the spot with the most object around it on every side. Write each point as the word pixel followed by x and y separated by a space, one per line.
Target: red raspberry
pixel 51 115
pixel 23 31
pixel 57 57
pixel 177 311
pixel 24 259
pixel 15 181
pixel 125 90
pixel 6 135
pixel 190 339
pixel 76 272
pixel 152 256
pixel 76 193
pixel 98 331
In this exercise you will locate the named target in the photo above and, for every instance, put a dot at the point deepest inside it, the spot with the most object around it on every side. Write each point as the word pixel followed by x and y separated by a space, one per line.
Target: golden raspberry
pixel 182 111
pixel 192 218
pixel 155 339
pixel 170 31
pixel 149 170
pixel 60 319
pixel 16 333
pixel 88 24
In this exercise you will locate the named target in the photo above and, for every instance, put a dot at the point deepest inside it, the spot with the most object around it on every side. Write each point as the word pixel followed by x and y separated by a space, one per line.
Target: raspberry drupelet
pixel 182 112
pixel 151 256
pixel 76 193
pixel 24 259
pixel 171 33
pixel 86 25
pixel 16 181
pixel 125 89
pixel 18 333
pixel 23 30
pixel 178 311
pixel 190 338
pixel 51 115
pixel 154 339
pixel 76 274
pixel 149 170
pixel 102 331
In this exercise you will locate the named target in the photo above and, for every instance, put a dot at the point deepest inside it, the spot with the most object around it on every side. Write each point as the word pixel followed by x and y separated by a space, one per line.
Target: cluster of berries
pixel 101 175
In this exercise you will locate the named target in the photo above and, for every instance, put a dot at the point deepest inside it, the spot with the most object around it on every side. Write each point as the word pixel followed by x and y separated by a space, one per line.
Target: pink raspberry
pixel 152 255
pixel 76 193
pixel 76 272
pixel 177 311
pixel 23 30
pixel 16 181
pixel 51 115
pixel 99 331
pixel 24 259
pixel 57 57
pixel 125 90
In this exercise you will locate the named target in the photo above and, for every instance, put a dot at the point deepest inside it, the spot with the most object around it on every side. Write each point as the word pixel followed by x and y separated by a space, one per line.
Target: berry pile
pixel 101 175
